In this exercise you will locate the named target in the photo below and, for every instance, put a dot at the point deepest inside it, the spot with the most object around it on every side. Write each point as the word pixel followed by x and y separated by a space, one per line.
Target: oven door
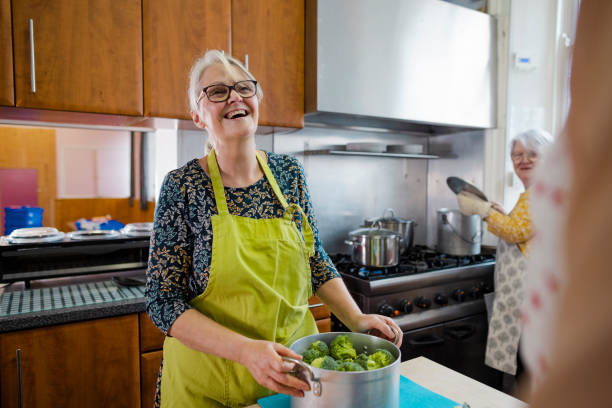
pixel 458 344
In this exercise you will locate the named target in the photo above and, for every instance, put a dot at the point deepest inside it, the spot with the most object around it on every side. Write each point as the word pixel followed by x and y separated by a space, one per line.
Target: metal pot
pixel 377 247
pixel 337 389
pixel 403 227
pixel 458 234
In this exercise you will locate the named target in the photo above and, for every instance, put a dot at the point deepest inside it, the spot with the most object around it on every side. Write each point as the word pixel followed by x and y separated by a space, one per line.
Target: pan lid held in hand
pixel 458 185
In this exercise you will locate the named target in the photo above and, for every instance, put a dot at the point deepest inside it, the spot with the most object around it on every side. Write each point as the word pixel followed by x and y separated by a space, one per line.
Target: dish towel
pixel 411 395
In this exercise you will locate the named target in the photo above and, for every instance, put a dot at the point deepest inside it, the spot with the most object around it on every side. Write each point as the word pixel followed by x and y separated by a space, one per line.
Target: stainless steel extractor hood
pixel 420 65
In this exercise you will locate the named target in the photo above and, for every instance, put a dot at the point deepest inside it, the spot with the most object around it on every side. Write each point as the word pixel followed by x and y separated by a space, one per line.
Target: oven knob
pixel 441 299
pixel 422 302
pixel 459 295
pixel 406 306
pixel 476 292
pixel 385 310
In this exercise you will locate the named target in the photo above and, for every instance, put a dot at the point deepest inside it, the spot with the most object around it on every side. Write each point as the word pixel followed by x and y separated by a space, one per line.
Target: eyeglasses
pixel 221 92
pixel 519 157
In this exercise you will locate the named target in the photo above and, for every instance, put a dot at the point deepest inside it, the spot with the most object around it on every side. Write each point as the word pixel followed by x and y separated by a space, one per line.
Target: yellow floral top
pixel 516 227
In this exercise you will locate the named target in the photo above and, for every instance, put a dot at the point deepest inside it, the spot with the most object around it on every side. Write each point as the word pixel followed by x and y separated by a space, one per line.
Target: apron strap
pixel 289 209
pixel 215 176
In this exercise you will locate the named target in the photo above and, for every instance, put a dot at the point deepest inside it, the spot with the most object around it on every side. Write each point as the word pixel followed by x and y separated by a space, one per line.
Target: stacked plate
pixel 34 235
pixel 93 234
pixel 138 229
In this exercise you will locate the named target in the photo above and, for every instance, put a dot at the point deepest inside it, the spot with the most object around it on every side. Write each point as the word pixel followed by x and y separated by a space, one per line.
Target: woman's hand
pixel 379 326
pixel 498 207
pixel 264 361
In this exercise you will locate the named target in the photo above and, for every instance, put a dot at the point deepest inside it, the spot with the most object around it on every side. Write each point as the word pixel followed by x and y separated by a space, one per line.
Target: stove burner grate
pixel 418 259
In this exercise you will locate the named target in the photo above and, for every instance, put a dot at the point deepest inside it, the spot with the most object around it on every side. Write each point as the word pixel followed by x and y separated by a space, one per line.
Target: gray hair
pixel 212 57
pixel 532 139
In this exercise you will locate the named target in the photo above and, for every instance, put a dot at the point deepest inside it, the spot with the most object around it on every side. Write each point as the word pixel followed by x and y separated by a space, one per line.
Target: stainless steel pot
pixel 403 227
pixel 377 247
pixel 458 234
pixel 338 389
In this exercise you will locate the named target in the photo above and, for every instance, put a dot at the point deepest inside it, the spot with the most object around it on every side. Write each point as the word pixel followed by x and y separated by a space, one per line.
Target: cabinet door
pixel 87 364
pixel 271 33
pixel 87 55
pixel 7 96
pixel 149 371
pixel 175 34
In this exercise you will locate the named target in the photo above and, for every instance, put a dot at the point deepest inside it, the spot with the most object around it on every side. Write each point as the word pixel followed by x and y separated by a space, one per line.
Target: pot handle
pixel 314 381
pixel 396 339
pixel 351 243
pixel 389 210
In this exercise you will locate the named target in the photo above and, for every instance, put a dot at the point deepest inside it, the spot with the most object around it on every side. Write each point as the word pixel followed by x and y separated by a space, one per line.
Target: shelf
pixel 374 154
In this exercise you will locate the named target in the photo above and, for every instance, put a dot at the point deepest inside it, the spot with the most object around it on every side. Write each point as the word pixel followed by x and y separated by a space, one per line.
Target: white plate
pixel 34 232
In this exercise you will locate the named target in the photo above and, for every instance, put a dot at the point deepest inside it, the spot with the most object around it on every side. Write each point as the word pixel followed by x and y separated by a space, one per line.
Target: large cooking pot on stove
pixel 458 234
pixel 403 227
pixel 343 389
pixel 375 247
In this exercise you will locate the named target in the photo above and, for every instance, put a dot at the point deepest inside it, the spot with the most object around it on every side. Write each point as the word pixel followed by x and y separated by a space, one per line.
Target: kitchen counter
pixel 453 385
pixel 65 300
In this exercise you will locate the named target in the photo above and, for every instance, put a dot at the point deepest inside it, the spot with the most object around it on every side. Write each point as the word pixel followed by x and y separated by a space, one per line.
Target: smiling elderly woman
pixel 515 231
pixel 235 255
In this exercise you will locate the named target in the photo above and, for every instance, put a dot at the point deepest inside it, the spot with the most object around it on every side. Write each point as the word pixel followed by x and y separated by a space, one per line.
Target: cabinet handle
pixel 246 61
pixel 19 375
pixel 32 63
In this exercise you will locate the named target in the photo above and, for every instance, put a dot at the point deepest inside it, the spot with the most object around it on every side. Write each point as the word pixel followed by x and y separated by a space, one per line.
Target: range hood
pixel 416 65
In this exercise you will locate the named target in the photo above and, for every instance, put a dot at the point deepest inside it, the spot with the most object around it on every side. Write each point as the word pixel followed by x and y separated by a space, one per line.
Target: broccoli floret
pixel 382 358
pixel 362 360
pixel 342 348
pixel 349 366
pixel 310 355
pixel 325 362
pixel 321 347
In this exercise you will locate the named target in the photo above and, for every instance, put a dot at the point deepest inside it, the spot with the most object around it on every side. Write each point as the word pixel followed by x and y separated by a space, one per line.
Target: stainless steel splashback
pixel 345 190
pixel 422 61
pixel 461 155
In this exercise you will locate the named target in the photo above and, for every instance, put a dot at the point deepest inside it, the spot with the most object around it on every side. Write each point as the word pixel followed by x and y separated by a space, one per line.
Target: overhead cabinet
pixel 270 36
pixel 133 57
pixel 175 34
pixel 75 55
pixel 7 96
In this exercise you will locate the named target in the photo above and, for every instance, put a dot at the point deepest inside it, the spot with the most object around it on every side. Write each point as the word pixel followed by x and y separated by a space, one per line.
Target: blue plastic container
pixel 22 217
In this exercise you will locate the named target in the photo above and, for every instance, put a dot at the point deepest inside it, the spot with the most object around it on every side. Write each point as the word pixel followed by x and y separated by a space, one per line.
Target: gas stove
pixel 425 287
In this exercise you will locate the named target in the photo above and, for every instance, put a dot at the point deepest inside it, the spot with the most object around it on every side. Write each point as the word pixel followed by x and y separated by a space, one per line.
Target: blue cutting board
pixel 411 395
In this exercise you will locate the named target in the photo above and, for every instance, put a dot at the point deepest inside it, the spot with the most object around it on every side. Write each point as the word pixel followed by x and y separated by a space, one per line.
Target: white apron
pixel 504 324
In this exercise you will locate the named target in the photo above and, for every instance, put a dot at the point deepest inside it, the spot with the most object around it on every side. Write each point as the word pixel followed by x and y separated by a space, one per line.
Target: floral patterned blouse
pixel 181 244
pixel 516 227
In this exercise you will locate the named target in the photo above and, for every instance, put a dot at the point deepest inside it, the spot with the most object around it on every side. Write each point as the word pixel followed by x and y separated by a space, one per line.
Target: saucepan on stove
pixel 375 247
pixel 402 226
pixel 332 389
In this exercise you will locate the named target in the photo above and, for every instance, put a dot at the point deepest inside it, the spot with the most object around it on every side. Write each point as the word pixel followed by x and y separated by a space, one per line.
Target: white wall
pixel 92 163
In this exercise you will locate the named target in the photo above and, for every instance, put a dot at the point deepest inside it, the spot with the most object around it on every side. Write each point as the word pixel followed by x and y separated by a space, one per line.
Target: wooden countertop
pixel 453 385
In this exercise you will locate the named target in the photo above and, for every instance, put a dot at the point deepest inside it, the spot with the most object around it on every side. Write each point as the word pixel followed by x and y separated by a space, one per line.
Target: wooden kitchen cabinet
pixel 87 55
pixel 149 371
pixel 87 364
pixel 7 95
pixel 175 34
pixel 271 33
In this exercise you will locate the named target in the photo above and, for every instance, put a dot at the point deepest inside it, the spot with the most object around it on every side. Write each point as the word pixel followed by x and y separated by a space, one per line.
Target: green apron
pixel 259 287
